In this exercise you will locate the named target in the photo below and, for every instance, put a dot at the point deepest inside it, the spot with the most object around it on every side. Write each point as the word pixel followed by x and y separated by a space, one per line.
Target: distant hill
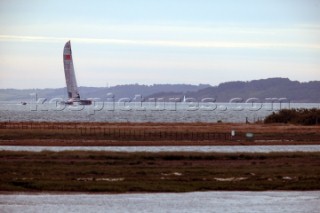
pixel 121 91
pixel 266 88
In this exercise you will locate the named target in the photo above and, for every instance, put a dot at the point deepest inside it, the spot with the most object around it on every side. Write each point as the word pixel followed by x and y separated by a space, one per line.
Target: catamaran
pixel 72 88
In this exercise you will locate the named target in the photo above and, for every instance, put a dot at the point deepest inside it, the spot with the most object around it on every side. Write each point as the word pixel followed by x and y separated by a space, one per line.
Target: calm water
pixel 147 112
pixel 227 149
pixel 206 202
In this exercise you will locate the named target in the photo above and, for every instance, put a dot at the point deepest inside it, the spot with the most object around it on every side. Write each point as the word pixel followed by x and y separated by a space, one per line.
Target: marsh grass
pixel 118 172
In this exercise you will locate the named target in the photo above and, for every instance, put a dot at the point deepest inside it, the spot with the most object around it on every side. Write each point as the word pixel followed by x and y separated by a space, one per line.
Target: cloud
pixel 164 43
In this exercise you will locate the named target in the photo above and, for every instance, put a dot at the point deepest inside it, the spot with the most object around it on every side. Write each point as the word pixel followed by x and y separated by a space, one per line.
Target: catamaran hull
pixel 81 102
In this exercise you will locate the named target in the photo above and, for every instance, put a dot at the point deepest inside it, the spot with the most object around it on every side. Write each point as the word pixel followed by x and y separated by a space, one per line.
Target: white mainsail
pixel 72 88
pixel 184 99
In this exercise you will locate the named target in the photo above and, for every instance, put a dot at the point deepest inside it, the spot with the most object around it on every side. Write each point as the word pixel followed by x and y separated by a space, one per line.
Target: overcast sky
pixel 148 41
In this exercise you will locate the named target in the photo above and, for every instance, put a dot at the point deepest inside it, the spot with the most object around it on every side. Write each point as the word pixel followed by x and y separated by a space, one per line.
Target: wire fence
pixel 98 131
pixel 78 130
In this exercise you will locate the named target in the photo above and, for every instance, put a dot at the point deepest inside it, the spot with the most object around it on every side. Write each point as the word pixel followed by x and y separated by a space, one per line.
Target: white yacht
pixel 72 88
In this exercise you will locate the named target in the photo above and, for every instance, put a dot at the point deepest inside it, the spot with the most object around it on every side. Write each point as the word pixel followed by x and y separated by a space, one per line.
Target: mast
pixel 72 88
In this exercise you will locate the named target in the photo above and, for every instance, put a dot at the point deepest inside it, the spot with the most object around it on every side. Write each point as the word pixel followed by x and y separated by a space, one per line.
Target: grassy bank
pixel 156 132
pixel 85 171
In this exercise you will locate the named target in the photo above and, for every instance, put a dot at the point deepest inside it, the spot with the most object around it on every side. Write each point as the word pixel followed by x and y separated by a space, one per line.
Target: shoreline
pixel 136 193
pixel 103 143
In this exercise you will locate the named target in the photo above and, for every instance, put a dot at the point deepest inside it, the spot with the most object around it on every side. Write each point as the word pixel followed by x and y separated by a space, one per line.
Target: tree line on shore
pixel 295 116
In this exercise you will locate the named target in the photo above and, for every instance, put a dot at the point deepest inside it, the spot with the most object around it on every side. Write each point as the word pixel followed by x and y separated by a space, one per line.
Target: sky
pixel 156 42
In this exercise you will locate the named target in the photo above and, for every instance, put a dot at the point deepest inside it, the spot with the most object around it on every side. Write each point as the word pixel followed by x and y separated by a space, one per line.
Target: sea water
pixel 220 149
pixel 200 202
pixel 144 111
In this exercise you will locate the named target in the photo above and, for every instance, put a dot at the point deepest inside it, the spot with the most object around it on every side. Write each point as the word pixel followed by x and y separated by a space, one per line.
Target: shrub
pixel 295 116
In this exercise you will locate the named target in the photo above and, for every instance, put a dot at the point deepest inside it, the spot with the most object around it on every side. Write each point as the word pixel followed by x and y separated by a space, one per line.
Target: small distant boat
pixel 72 88
pixel 184 99
pixel 23 103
